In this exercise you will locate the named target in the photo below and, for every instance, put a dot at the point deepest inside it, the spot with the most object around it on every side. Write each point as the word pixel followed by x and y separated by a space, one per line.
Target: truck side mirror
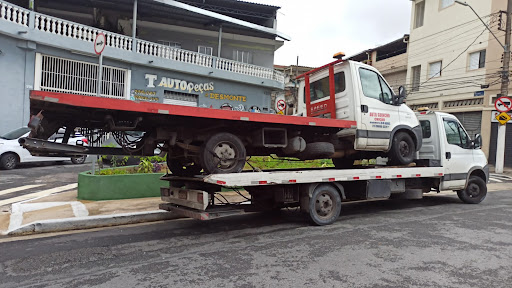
pixel 477 143
pixel 399 99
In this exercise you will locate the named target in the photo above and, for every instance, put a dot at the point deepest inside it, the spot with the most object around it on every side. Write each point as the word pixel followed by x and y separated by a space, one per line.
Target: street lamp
pixel 500 150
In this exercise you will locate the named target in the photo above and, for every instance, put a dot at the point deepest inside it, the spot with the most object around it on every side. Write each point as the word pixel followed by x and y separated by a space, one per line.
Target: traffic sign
pixel 281 105
pixel 503 118
pixel 495 114
pixel 100 43
pixel 503 104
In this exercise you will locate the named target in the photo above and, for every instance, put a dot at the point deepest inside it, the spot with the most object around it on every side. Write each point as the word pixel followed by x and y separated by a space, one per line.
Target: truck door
pixel 458 158
pixel 378 114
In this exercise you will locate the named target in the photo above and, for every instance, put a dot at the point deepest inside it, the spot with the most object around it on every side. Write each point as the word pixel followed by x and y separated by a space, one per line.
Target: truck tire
pixel 223 153
pixel 9 161
pixel 475 191
pixel 402 149
pixel 317 150
pixel 78 160
pixel 324 205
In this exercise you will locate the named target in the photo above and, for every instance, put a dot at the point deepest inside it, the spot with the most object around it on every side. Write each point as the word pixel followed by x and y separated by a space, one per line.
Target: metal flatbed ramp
pixel 209 214
pixel 246 179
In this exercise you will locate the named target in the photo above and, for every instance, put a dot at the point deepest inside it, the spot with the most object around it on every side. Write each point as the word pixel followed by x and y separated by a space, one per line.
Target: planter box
pixel 115 187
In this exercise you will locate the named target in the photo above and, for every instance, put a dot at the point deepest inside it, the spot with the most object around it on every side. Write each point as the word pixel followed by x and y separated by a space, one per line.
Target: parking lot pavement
pixel 36 178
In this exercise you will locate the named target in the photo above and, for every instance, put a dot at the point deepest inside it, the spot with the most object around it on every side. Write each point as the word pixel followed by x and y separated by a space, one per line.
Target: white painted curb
pixel 89 222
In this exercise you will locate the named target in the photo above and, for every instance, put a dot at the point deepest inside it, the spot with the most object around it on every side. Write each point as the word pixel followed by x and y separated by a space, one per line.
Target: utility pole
pixel 502 129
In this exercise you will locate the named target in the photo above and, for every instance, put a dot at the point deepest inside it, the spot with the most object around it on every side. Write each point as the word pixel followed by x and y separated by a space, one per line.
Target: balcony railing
pixel 52 25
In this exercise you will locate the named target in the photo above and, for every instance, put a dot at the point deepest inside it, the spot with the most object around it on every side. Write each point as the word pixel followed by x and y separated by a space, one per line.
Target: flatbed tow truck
pixel 448 160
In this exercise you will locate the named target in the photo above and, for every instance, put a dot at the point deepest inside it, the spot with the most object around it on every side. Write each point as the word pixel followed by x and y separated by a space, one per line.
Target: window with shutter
pixel 477 60
pixel 419 14
pixel 416 77
pixel 446 3
pixel 435 69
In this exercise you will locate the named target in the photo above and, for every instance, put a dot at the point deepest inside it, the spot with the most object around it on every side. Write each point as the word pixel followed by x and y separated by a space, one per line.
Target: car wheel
pixel 475 191
pixel 223 153
pixel 78 160
pixel 324 205
pixel 9 161
pixel 402 149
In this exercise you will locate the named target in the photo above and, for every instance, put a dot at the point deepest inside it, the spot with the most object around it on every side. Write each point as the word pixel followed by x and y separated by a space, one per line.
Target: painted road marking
pixel 21 188
pixel 495 180
pixel 39 194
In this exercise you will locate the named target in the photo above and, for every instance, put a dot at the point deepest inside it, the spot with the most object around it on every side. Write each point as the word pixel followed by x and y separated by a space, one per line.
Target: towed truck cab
pixel 354 91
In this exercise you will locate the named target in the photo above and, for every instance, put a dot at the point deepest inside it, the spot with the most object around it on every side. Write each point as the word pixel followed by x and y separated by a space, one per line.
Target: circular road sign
pixel 99 43
pixel 503 104
pixel 281 105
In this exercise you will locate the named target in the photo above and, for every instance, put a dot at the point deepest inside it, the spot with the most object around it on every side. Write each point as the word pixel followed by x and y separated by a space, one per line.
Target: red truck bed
pixel 167 109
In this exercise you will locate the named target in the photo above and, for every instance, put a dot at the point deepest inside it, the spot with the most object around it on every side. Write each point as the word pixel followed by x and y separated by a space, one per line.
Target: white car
pixel 11 153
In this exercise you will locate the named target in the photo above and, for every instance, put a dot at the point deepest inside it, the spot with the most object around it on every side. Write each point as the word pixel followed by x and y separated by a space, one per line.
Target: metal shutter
pixel 508 145
pixel 472 122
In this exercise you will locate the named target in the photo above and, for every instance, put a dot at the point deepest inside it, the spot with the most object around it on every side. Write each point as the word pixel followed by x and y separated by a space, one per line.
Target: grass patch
pixel 267 162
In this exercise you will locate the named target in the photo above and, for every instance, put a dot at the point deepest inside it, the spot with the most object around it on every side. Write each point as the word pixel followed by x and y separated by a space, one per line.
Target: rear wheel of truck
pixel 324 205
pixel 180 165
pixel 402 149
pixel 223 153
pixel 475 191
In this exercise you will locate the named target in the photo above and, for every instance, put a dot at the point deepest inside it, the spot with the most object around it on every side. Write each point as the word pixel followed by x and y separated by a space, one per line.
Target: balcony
pixel 43 29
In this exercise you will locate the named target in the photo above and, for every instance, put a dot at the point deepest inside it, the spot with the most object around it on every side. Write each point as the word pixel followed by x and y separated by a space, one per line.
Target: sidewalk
pixel 62 211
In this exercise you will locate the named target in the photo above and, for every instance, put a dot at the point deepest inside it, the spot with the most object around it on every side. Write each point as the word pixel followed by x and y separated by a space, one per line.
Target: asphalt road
pixel 434 242
pixel 34 177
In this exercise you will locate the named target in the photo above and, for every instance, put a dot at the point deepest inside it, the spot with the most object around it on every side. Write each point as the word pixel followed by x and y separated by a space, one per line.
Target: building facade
pixel 454 64
pixel 212 53
pixel 390 59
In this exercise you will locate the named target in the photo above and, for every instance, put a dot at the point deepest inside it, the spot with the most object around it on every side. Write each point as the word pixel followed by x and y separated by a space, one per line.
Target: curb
pixel 89 222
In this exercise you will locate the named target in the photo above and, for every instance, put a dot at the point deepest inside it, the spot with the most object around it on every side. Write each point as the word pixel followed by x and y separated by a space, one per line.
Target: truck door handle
pixel 364 108
pixel 448 155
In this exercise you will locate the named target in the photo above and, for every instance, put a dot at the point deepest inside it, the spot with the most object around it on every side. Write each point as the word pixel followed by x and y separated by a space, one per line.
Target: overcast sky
pixel 320 28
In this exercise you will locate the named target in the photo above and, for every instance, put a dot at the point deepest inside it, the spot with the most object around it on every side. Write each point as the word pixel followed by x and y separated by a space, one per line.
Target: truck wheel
pixel 475 191
pixel 324 205
pixel 223 153
pixel 317 150
pixel 78 160
pixel 9 161
pixel 402 149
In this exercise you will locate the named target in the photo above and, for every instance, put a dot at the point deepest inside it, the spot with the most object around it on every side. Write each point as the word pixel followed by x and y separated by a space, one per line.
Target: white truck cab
pixel 447 144
pixel 354 91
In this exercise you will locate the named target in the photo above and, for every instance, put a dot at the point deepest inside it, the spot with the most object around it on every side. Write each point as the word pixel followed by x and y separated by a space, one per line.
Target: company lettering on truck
pixel 178 84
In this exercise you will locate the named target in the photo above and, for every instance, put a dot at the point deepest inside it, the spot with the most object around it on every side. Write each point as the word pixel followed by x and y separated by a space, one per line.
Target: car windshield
pixel 15 134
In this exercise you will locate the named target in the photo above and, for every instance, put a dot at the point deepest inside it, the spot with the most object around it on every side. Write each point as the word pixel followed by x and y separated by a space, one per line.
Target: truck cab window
pixel 455 134
pixel 321 88
pixel 425 127
pixel 374 86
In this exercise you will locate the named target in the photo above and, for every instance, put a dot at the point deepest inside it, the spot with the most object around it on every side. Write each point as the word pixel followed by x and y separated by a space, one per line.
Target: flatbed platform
pixel 51 100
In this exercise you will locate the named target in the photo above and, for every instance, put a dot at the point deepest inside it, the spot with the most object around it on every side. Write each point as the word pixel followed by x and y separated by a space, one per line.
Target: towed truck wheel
pixel 402 149
pixel 475 191
pixel 324 205
pixel 223 153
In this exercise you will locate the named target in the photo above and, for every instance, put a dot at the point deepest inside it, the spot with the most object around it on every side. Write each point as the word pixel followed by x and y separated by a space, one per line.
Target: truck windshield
pixel 15 134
